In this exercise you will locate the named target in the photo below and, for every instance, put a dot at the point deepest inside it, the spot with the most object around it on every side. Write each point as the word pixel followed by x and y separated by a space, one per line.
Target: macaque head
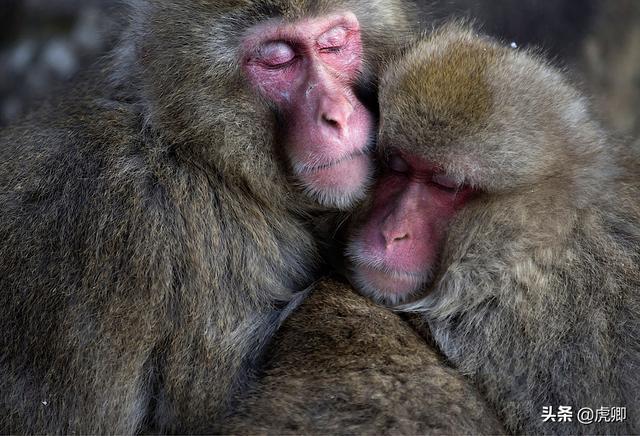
pixel 396 248
pixel 268 92
pixel 464 121
pixel 307 69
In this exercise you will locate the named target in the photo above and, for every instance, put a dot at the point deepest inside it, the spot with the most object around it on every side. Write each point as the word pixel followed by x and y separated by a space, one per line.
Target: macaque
pixel 154 233
pixel 510 221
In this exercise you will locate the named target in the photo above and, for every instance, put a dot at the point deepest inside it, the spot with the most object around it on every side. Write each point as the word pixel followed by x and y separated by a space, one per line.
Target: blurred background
pixel 46 42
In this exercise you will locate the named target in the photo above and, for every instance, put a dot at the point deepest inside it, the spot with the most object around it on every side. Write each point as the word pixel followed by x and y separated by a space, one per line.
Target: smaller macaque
pixel 506 207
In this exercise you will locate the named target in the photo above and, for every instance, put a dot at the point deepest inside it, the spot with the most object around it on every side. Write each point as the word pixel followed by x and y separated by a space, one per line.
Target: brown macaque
pixel 511 222
pixel 151 230
pixel 344 365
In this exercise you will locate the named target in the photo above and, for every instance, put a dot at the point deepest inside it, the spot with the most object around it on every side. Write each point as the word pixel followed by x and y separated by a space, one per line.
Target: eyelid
pixel 445 181
pixel 333 38
pixel 275 53
pixel 397 164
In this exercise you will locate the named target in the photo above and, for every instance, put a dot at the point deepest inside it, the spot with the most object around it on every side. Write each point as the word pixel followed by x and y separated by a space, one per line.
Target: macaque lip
pixel 398 283
pixel 341 183
pixel 333 164
pixel 350 173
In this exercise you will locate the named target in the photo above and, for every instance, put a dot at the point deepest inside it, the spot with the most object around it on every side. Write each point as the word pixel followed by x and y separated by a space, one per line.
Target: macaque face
pixel 308 69
pixel 395 249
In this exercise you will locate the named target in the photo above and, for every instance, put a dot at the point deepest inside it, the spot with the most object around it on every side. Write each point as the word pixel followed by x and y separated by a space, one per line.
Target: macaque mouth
pixel 394 282
pixel 338 183
pixel 303 169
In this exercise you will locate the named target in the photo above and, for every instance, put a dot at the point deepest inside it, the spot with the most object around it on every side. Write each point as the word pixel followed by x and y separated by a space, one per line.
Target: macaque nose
pixel 394 230
pixel 398 225
pixel 335 112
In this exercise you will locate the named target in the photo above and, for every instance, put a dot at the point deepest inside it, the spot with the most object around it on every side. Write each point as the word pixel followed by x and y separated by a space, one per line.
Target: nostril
pixel 400 238
pixel 330 121
pixel 391 239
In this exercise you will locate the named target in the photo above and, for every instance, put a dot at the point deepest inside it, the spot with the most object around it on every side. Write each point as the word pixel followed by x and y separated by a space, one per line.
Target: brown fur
pixel 149 235
pixel 449 109
pixel 537 298
pixel 342 364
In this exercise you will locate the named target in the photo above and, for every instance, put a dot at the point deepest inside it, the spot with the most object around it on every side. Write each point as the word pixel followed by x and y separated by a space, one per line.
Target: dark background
pixel 45 42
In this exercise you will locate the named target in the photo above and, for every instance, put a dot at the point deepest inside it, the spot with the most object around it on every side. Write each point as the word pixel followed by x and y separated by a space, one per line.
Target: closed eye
pixel 276 54
pixel 333 40
pixel 336 49
pixel 397 164
pixel 446 183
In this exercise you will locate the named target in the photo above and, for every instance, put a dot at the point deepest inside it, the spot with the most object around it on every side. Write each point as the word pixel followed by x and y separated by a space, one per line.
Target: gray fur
pixel 149 233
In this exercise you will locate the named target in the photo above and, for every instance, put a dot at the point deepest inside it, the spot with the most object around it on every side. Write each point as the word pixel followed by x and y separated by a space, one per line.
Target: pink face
pixel 308 70
pixel 395 250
